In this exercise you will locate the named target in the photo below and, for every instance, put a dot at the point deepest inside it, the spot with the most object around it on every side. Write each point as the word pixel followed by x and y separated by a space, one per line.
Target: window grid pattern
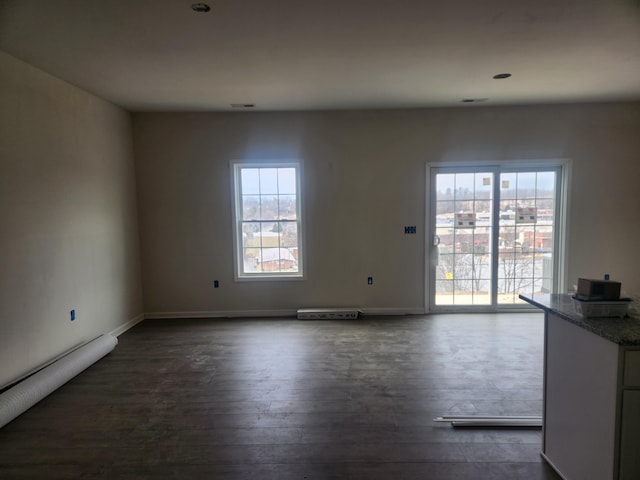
pixel 464 267
pixel 268 215
pixel 495 236
pixel 526 247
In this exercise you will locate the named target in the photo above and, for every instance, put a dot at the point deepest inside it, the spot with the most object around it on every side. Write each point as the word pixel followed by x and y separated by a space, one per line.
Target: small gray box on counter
pixel 589 289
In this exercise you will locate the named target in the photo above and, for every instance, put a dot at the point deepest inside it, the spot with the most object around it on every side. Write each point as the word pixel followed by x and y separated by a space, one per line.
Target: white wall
pixel 68 235
pixel 364 179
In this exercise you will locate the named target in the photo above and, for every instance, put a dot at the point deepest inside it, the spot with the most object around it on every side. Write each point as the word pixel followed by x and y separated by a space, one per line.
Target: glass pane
pixel 464 206
pixel 287 181
pixel 444 270
pixel 464 252
pixel 250 234
pixel 461 292
pixel 270 234
pixel 250 178
pixel 484 186
pixel 507 238
pixel 482 298
pixel 269 260
pixel 516 274
pixel 462 271
pixel 277 260
pixel 250 207
pixel 463 240
pixel 250 259
pixel 465 183
pixel 289 235
pixel 507 212
pixel 508 186
pixel 526 239
pixel 546 182
pixel 483 212
pixel 526 185
pixel 287 207
pixel 268 207
pixel 445 186
pixel 482 241
pixel 268 180
pixel 545 210
pixel 445 297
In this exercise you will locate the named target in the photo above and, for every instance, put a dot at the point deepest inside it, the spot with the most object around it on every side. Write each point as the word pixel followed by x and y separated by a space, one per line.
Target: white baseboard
pixel 126 326
pixel 392 311
pixel 222 314
pixel 271 313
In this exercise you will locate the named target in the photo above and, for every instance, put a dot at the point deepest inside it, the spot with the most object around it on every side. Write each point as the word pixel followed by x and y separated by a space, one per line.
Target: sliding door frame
pixel 561 234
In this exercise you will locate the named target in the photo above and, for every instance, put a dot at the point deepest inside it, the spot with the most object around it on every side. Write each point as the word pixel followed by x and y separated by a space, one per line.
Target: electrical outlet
pixel 369 280
pixel 216 284
pixel 72 313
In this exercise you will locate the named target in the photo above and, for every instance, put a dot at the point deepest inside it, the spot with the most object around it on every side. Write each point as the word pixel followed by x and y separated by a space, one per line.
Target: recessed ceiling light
pixel 500 76
pixel 200 7
pixel 474 100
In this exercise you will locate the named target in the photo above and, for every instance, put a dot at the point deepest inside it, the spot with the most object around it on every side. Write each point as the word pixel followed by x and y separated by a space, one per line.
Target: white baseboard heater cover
pixel 19 398
pixel 327 313
pixel 492 421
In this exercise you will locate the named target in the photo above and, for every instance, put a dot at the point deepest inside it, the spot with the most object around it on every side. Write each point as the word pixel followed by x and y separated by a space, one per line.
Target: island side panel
pixel 630 421
pixel 580 401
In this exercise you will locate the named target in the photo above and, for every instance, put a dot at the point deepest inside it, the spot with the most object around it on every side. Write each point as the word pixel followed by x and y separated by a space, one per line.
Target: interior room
pixel 121 127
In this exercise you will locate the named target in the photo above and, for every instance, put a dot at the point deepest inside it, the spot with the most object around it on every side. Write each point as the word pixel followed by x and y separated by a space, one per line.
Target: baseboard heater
pixel 327 313
pixel 527 421
pixel 22 396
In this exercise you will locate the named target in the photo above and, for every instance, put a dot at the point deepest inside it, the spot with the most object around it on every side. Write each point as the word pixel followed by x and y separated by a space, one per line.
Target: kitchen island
pixel 591 413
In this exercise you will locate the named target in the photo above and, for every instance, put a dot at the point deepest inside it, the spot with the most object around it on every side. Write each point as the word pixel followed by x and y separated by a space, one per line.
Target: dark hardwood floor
pixel 292 399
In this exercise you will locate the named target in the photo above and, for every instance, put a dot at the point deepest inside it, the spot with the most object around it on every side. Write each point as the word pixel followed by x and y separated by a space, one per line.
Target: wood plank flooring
pixel 292 399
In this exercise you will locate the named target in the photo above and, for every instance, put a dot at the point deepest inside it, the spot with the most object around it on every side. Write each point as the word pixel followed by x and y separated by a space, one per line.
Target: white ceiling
pixel 331 54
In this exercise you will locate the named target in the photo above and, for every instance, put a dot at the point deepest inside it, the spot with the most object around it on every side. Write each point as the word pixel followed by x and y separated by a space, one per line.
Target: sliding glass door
pixel 463 209
pixel 494 235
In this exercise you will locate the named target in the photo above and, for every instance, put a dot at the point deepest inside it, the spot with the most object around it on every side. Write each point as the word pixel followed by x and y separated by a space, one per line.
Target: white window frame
pixel 239 273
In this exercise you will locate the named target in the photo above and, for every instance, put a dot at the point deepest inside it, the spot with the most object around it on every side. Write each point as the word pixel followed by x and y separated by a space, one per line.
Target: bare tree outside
pixel 472 233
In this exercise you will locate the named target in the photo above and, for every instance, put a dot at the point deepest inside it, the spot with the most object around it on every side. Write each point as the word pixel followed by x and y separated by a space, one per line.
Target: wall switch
pixel 216 284
pixel 73 315
pixel 410 229
pixel 369 280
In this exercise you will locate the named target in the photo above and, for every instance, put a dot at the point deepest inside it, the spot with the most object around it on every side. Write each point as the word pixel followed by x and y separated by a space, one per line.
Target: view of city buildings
pixel 482 252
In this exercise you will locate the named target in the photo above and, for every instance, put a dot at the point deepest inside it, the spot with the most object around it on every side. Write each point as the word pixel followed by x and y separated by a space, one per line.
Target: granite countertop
pixel 623 331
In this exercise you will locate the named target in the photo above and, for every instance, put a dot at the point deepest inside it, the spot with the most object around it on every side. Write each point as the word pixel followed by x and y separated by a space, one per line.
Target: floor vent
pixel 327 313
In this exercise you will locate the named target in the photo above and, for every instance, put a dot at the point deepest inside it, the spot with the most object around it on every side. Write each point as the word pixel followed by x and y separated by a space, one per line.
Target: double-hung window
pixel 268 221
